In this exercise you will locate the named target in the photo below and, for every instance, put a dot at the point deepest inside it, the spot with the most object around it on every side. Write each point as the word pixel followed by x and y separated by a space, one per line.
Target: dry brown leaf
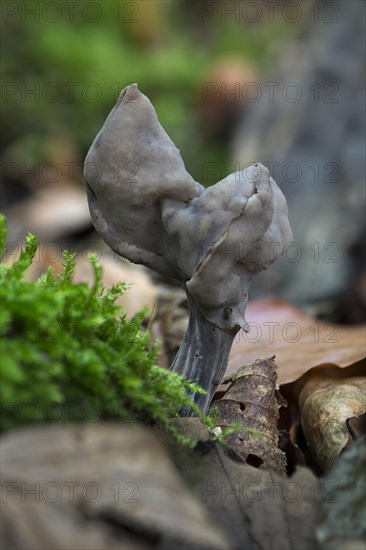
pixel 252 400
pixel 296 394
pixel 256 509
pixel 97 486
pixel 53 212
pixel 325 407
pixel 298 341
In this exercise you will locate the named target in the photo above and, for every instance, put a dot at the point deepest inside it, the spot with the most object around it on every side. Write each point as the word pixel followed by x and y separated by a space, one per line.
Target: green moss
pixel 69 354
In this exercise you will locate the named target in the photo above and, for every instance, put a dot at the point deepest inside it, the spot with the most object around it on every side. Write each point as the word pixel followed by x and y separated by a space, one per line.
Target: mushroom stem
pixel 202 357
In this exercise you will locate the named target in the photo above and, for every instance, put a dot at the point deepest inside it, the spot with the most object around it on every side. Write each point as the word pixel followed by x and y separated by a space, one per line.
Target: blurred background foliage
pixel 63 69
pixel 64 64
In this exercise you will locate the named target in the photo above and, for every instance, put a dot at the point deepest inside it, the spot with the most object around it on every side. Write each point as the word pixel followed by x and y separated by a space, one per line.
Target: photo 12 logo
pixel 288 172
pixel 70 491
pixel 270 11
pixel 27 11
pixel 271 91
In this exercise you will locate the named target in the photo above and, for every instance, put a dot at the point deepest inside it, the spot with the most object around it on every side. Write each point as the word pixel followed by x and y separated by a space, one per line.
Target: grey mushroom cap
pixel 150 210
pixel 131 167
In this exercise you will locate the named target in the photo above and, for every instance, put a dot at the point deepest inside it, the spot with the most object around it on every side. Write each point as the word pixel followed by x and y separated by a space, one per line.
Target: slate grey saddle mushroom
pixel 149 210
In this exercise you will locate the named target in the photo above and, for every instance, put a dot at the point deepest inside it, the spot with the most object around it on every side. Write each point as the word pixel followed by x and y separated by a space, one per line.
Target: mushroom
pixel 149 210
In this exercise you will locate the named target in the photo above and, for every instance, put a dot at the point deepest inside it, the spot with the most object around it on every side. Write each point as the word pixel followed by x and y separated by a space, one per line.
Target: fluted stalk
pixel 203 356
